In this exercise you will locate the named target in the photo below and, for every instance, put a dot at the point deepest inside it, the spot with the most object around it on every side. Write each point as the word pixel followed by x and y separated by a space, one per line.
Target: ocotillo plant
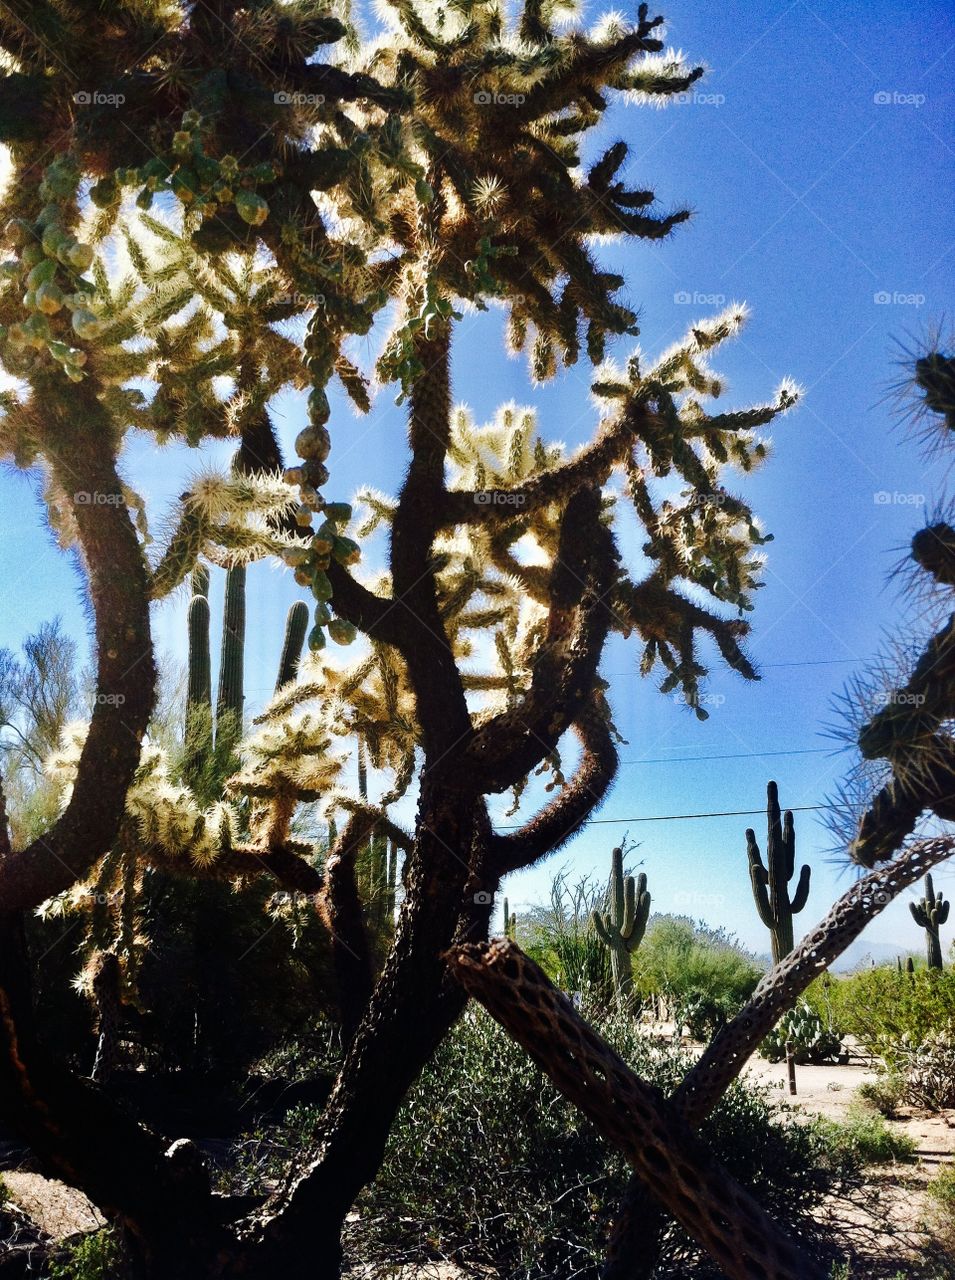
pixel 622 926
pixel 771 882
pixel 929 914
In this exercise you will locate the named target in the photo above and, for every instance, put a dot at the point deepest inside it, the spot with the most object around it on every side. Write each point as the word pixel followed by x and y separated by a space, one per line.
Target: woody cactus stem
pixel 296 625
pixel 771 882
pixel 622 926
pixel 929 914
pixel 229 702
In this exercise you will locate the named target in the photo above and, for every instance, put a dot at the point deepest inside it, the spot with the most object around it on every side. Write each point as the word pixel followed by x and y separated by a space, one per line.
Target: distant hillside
pixel 861 952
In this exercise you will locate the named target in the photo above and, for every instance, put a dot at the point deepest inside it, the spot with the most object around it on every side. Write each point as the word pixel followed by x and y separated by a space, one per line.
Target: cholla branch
pixel 705 1199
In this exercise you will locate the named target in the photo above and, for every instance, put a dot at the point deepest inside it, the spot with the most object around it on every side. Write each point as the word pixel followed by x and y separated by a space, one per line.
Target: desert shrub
pixel 95 1257
pixel 488 1165
pixel 812 1039
pixel 882 1006
pixel 884 1094
pixel 706 974
pixel 560 938
pixel 927 1070
pixel 941 1191
pixel 863 1138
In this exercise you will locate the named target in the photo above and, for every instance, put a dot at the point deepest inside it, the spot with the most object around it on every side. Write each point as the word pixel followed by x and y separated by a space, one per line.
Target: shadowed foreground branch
pixel 724 1218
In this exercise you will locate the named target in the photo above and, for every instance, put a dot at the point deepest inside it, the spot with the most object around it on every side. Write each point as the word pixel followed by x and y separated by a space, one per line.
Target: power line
pixel 683 817
pixel 738 755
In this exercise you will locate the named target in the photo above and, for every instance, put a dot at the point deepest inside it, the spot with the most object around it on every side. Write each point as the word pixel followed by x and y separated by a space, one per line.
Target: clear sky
pixel 818 158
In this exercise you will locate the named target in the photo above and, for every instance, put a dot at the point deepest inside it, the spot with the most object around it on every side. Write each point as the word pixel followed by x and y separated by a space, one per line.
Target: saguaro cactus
pixel 771 882
pixel 231 694
pixel 929 914
pixel 296 626
pixel 622 926
pixel 510 921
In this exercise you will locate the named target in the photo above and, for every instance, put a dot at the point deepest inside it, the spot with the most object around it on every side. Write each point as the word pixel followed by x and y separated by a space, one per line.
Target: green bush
pixel 488 1165
pixel 881 1006
pixel 884 1094
pixel 95 1257
pixel 863 1138
pixel 562 941
pixel 706 974
pixel 927 1070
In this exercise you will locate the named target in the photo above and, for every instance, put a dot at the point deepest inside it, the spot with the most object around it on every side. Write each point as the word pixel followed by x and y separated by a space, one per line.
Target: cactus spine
pixel 296 626
pixel 929 914
pixel 622 926
pixel 771 882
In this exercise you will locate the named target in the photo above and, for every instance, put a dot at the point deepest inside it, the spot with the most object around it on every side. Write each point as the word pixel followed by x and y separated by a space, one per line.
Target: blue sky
pixel 818 158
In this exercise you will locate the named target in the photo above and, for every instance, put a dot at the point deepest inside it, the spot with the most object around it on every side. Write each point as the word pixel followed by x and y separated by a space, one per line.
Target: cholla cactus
pixel 930 914
pixel 770 883
pixel 622 926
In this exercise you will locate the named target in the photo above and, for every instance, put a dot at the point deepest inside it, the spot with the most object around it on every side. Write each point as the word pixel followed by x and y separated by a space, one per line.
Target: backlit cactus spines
pixel 230 698
pixel 622 926
pixel 930 914
pixel 296 626
pixel 771 882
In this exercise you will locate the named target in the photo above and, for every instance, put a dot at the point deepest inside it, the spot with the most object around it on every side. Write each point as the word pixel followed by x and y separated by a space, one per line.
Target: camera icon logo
pixel 483 898
pixel 482 97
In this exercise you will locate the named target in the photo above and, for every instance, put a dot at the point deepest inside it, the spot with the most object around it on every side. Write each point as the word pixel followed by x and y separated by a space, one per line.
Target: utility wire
pixel 738 755
pixel 683 817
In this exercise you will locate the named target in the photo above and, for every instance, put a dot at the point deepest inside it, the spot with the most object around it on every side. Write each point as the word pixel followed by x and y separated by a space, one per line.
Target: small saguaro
pixel 622 926
pixel 930 914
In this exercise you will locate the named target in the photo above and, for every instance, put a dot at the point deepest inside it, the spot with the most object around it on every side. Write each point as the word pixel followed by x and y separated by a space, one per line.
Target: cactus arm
pixel 616 903
pixel 759 878
pixel 600 928
pixel 802 890
pixel 789 845
pixel 918 915
pixel 629 908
